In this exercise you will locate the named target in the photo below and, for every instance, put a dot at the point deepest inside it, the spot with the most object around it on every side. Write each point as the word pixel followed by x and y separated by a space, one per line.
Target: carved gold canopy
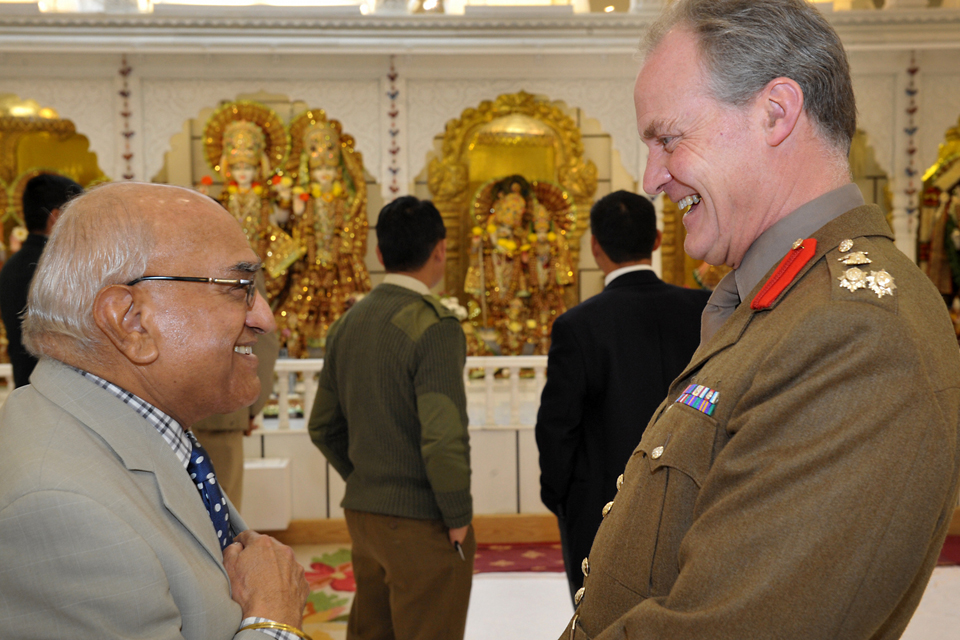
pixel 515 134
pixel 35 140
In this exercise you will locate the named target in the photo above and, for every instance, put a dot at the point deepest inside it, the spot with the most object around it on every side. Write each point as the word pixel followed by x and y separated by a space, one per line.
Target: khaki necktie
pixel 722 303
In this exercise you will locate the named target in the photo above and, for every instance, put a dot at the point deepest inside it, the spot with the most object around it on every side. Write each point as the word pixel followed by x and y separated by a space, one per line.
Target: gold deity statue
pixel 328 220
pixel 246 143
pixel 520 263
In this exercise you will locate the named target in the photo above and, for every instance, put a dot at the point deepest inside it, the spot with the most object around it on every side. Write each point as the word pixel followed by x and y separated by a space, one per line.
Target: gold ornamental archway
pixel 517 133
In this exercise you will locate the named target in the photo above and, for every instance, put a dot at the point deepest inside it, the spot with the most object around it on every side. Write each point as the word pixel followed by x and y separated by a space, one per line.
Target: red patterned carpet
pixel 492 558
pixel 950 554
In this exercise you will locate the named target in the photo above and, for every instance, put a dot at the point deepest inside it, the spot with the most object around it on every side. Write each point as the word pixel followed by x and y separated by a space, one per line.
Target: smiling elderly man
pixel 143 312
pixel 799 478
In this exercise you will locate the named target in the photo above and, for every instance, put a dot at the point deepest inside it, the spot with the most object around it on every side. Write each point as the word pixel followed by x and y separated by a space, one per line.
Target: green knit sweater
pixel 391 412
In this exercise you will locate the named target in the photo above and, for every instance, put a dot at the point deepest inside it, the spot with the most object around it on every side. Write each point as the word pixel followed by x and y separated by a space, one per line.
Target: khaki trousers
pixel 225 449
pixel 411 582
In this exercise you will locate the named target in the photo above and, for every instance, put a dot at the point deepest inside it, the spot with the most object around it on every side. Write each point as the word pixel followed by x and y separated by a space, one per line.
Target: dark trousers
pixel 411 582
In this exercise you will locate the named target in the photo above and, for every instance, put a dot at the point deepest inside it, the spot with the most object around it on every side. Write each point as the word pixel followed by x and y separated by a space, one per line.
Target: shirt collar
pixel 407 282
pixel 774 243
pixel 616 273
pixel 168 428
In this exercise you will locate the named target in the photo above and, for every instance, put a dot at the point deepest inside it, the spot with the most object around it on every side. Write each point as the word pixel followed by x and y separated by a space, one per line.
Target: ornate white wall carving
pixel 88 103
pixel 169 103
pixel 876 96
pixel 431 103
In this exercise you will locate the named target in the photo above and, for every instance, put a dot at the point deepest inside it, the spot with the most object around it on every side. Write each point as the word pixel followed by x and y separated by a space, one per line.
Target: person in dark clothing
pixel 43 197
pixel 611 361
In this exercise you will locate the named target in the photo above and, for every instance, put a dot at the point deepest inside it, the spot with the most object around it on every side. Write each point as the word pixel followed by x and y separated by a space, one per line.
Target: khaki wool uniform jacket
pixel 814 500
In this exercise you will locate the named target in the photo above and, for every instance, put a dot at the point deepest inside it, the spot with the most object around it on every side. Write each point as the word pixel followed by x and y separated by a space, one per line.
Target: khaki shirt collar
pixel 407 283
pixel 774 243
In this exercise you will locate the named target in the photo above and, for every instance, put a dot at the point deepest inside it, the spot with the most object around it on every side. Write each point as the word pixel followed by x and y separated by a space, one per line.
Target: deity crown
pixel 243 141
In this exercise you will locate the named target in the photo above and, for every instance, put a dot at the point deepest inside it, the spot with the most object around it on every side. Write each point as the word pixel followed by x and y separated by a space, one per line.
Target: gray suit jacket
pixel 102 533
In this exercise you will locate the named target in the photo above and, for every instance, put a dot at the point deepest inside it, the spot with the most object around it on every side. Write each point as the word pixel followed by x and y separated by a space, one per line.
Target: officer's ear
pixel 781 102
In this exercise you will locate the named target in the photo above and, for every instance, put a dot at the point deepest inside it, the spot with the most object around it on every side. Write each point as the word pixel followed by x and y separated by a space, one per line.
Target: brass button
pixel 620 482
pixel 798 243
pixel 606 508
pixel 846 245
pixel 585 566
pixel 656 453
pixel 579 595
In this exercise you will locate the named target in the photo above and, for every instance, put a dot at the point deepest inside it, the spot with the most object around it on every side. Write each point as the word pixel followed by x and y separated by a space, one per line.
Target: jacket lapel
pixel 134 441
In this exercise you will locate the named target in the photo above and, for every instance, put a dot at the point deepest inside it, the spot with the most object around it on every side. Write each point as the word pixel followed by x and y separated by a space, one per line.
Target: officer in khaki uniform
pixel 799 478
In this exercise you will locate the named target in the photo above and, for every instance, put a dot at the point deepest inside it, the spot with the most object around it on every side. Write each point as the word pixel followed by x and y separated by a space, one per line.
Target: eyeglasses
pixel 250 285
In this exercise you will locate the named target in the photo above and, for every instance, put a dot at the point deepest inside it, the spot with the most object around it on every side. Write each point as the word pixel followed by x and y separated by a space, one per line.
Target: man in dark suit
pixel 42 199
pixel 612 359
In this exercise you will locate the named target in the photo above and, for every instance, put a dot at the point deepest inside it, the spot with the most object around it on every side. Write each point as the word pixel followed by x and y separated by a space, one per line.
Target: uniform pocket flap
pixel 682 439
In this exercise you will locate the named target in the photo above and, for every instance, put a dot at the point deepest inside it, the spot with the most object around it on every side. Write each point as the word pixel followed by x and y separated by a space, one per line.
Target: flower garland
pixel 911 131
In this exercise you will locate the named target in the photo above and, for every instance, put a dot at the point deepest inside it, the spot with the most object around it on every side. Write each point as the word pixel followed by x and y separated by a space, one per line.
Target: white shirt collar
pixel 407 283
pixel 613 275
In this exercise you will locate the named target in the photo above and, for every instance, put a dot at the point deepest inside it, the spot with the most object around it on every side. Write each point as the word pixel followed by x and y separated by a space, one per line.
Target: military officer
pixel 799 478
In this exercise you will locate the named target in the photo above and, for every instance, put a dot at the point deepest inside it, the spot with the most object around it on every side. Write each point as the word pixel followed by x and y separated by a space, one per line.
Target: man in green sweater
pixel 391 417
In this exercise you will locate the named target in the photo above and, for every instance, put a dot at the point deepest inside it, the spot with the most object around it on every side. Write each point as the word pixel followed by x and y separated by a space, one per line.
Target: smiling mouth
pixel 688 202
pixel 243 350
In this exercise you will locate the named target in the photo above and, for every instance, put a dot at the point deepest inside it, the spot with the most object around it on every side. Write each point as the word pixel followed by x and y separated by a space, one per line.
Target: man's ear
pixel 126 322
pixel 782 104
pixel 656 243
pixel 440 251
pixel 595 248
pixel 380 257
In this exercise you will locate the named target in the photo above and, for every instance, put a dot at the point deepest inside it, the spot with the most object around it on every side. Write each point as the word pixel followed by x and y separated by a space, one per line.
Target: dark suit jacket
pixel 14 285
pixel 612 359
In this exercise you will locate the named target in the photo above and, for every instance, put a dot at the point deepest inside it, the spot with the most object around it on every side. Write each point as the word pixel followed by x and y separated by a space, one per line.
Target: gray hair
pixel 97 242
pixel 744 44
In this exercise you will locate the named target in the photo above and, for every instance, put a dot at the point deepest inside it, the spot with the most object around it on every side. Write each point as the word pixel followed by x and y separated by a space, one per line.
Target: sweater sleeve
pixel 442 409
pixel 328 425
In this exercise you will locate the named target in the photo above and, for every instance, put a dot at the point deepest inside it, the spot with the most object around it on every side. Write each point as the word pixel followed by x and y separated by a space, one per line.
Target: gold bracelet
pixel 276 625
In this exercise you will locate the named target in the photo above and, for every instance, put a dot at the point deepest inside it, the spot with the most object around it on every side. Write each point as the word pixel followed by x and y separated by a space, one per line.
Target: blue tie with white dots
pixel 200 469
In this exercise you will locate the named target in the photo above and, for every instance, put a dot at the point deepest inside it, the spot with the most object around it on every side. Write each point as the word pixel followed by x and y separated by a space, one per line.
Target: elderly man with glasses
pixel 144 313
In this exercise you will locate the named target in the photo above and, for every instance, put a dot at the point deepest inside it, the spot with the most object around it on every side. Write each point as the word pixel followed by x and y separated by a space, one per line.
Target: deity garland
pixel 328 221
pixel 519 263
pixel 246 142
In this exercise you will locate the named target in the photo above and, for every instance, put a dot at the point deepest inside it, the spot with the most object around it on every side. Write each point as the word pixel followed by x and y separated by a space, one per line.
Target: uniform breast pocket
pixel 654 509
pixel 683 439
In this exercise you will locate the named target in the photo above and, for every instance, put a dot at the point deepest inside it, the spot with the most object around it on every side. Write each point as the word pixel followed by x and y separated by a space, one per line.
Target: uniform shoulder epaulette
pixel 856 276
pixel 439 307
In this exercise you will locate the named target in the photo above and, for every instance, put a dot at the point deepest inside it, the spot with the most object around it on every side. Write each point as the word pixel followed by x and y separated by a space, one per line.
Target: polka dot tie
pixel 200 469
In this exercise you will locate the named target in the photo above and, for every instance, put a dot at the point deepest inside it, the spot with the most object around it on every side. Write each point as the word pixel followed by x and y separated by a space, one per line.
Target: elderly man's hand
pixel 265 579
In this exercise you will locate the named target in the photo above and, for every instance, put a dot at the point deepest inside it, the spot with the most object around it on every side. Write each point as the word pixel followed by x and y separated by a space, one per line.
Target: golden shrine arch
pixel 516 134
pixel 35 140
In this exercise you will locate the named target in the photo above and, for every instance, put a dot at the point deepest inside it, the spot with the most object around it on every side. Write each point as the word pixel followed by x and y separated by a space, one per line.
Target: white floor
pixel 523 606
pixel 527 606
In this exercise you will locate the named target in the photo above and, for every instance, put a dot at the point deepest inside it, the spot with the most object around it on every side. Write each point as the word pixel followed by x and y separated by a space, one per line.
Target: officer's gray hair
pixel 744 44
pixel 96 242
